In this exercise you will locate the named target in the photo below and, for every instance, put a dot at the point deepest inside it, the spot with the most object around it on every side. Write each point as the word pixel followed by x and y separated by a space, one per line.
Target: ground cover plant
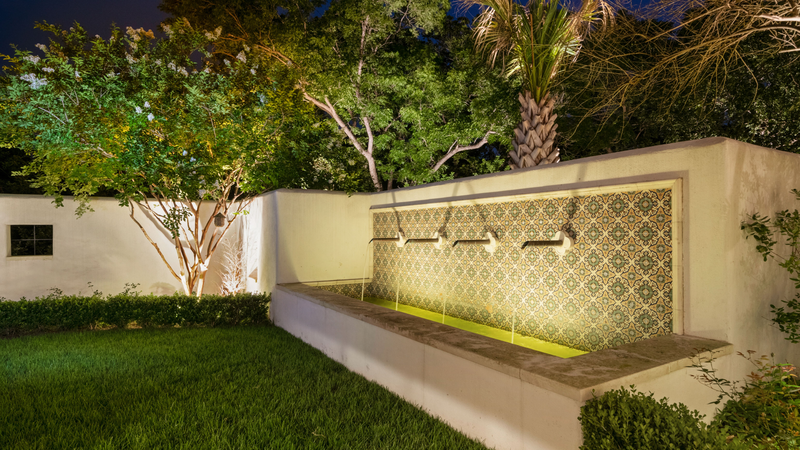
pixel 227 387
pixel 763 412
pixel 58 312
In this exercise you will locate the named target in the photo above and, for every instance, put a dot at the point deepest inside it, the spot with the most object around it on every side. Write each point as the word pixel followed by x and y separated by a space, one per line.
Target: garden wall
pixel 104 247
pixel 721 287
pixel 613 287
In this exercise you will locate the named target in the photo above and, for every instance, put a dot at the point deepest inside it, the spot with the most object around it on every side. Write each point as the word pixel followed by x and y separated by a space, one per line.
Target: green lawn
pixel 240 387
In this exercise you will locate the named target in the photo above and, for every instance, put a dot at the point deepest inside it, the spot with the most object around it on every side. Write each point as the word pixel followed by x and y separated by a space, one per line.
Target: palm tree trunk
pixel 534 137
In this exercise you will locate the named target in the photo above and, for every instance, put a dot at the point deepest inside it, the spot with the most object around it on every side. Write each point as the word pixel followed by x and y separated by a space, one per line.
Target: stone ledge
pixel 575 377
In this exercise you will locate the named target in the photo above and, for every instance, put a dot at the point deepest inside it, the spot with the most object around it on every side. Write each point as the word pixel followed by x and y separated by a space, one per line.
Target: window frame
pixel 22 257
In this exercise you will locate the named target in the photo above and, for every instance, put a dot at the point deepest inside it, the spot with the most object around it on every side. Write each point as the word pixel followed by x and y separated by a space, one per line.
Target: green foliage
pixel 786 225
pixel 607 55
pixel 533 40
pixel 399 81
pixel 58 312
pixel 622 419
pixel 137 116
pixel 620 93
pixel 788 318
pixel 143 118
pixel 765 410
pixel 406 101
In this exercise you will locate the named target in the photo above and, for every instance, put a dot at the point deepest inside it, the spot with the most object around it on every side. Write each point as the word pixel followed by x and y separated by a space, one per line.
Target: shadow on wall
pixel 162 289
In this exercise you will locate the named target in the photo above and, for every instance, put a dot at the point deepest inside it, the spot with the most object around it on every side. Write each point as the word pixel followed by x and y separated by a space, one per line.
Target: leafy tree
pixel 534 41
pixel 639 120
pixel 318 158
pixel 760 101
pixel 707 68
pixel 709 36
pixel 181 142
pixel 396 79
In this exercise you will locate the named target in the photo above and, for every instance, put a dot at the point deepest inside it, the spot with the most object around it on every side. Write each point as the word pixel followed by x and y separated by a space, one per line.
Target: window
pixel 31 240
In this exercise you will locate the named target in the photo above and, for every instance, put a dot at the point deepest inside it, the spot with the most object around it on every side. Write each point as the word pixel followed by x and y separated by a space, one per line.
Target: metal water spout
pixel 436 240
pixel 400 240
pixel 489 244
pixel 561 241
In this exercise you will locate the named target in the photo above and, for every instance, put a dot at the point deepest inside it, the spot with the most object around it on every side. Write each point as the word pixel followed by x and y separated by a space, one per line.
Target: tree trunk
pixel 534 137
pixel 201 281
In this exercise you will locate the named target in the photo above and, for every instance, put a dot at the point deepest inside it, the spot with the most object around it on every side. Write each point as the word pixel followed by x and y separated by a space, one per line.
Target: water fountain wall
pixel 513 397
pixel 613 287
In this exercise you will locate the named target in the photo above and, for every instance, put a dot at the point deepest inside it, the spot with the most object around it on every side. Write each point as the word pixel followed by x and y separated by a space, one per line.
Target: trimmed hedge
pixel 57 312
pixel 622 419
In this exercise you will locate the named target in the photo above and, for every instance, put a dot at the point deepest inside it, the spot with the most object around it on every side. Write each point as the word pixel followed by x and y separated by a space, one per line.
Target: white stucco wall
pixel 296 235
pixel 756 180
pixel 104 247
pixel 312 236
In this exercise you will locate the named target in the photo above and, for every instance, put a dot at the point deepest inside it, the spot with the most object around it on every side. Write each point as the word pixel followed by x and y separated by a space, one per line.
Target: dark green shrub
pixel 57 312
pixel 623 420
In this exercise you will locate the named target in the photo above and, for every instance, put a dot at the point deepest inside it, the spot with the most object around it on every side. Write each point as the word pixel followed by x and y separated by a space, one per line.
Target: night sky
pixel 17 18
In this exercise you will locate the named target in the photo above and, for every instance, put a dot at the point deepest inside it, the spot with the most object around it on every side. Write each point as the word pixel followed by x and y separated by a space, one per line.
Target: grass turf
pixel 220 388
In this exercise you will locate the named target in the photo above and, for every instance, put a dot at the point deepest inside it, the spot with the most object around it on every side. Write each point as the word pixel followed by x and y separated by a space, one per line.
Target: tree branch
pixel 367 153
pixel 364 25
pixel 163 258
pixel 48 112
pixel 370 137
pixel 779 18
pixel 454 149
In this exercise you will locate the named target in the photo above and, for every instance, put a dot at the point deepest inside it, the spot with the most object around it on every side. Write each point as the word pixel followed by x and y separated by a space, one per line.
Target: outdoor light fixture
pixel 219 220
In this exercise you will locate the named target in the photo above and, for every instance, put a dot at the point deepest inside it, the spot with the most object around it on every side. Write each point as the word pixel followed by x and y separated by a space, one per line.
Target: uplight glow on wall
pixel 612 287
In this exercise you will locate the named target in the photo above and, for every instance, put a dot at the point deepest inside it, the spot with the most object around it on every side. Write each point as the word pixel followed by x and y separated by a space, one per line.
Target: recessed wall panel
pixel 613 287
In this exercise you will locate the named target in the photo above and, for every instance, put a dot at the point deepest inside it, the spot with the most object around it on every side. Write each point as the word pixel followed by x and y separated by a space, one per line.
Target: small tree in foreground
pixel 183 142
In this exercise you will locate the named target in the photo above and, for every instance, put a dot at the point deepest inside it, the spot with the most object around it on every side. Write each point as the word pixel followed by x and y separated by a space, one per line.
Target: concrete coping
pixel 578 378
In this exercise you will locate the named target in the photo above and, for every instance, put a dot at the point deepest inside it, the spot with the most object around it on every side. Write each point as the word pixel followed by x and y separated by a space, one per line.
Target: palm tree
pixel 534 41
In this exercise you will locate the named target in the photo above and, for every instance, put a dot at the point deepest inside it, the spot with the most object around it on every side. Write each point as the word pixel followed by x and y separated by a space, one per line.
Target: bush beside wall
pixel 61 312
pixel 622 419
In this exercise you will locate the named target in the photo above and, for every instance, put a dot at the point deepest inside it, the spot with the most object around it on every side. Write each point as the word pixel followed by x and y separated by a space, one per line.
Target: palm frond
pixel 535 39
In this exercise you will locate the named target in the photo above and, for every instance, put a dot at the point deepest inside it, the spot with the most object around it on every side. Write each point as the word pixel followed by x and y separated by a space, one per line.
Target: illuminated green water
pixel 501 335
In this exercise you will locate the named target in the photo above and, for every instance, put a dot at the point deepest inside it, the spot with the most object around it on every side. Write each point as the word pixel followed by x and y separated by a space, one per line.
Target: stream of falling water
pixel 397 274
pixel 364 278
pixel 448 265
pixel 513 323
pixel 397 292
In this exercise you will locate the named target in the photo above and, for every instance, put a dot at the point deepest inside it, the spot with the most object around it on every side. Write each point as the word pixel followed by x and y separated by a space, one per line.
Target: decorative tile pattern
pixel 614 287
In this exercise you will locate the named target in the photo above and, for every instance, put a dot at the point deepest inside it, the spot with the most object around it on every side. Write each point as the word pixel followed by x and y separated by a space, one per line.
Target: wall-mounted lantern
pixel 219 220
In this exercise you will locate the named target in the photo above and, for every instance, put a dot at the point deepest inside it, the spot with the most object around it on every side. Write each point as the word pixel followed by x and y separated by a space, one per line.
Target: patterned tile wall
pixel 614 287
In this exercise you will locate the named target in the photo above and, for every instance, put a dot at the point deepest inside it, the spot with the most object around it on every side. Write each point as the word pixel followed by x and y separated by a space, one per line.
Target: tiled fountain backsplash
pixel 614 287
